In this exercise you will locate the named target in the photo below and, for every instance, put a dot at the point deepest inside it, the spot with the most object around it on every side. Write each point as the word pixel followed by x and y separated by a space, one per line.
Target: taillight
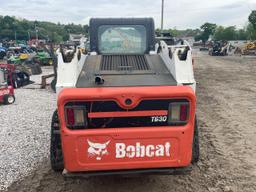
pixel 183 112
pixel 70 116
pixel 178 113
pixel 76 116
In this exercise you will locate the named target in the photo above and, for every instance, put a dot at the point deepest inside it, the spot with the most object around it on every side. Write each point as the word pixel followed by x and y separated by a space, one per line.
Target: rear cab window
pixel 122 39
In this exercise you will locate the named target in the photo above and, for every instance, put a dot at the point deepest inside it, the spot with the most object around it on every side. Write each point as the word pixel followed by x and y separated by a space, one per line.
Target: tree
pixel 197 37
pixel 231 33
pixel 241 34
pixel 218 35
pixel 46 30
pixel 228 33
pixel 207 30
pixel 251 32
pixel 252 19
pixel 174 32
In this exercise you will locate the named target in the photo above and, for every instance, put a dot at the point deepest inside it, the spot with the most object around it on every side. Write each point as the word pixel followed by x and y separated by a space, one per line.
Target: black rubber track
pixel 196 149
pixel 55 147
pixel 53 84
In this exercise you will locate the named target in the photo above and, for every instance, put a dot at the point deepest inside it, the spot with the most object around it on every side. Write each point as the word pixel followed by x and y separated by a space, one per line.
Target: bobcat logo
pixel 97 149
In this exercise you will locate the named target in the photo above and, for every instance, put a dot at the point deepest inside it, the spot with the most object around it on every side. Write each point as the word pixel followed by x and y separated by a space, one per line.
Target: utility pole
pixel 162 17
pixel 37 34
pixel 15 36
pixel 36 30
pixel 28 36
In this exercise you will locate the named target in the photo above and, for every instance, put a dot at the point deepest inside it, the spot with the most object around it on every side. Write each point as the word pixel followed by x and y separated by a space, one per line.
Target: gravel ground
pixel 226 111
pixel 24 133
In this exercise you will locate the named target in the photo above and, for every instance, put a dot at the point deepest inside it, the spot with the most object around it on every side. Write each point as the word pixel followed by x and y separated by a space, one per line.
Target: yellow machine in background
pixel 251 45
pixel 24 56
pixel 249 49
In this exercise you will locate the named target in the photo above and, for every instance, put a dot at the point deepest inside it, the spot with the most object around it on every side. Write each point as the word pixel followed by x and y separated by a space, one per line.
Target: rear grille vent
pixel 124 63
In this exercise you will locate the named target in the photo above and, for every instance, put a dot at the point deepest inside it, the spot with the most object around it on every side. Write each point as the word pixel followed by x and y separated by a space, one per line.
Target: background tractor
pixel 249 49
pixel 43 57
pixel 6 90
pixel 219 48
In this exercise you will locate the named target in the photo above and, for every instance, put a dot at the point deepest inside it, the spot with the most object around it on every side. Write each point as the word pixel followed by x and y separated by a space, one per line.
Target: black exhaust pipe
pixel 99 80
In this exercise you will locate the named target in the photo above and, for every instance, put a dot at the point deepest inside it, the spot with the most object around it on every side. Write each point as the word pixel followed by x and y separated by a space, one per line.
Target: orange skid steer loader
pixel 127 106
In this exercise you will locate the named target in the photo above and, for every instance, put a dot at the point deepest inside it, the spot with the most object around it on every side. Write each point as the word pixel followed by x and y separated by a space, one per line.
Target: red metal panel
pixel 127 148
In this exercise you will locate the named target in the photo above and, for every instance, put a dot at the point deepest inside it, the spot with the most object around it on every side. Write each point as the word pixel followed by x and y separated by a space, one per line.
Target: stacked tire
pixel 35 68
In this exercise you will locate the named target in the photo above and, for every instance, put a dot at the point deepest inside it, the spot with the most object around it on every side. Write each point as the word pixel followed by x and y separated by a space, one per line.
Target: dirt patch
pixel 226 108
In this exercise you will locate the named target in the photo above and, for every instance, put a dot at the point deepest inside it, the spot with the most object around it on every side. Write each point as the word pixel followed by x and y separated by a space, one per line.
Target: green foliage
pixel 252 19
pixel 207 30
pixel 241 34
pixel 174 32
pixel 197 37
pixel 228 33
pixel 251 32
pixel 59 32
pixel 180 33
pixel 46 30
pixel 231 33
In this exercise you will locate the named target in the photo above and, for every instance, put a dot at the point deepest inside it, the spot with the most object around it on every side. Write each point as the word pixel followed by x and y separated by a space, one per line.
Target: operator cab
pixel 122 36
pixel 123 55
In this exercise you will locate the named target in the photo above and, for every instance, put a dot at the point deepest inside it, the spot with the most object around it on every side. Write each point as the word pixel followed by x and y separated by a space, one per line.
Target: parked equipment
pixel 6 91
pixel 166 37
pixel 16 77
pixel 32 67
pixel 43 58
pixel 2 52
pixel 219 48
pixel 128 106
pixel 20 79
pixel 249 49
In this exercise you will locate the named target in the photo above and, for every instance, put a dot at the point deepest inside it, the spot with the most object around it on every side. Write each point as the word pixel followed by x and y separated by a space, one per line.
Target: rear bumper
pixel 132 172
pixel 144 149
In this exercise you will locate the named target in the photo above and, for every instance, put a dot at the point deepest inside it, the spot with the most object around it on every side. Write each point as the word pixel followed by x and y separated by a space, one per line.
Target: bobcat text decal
pixel 139 150
pixel 123 150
